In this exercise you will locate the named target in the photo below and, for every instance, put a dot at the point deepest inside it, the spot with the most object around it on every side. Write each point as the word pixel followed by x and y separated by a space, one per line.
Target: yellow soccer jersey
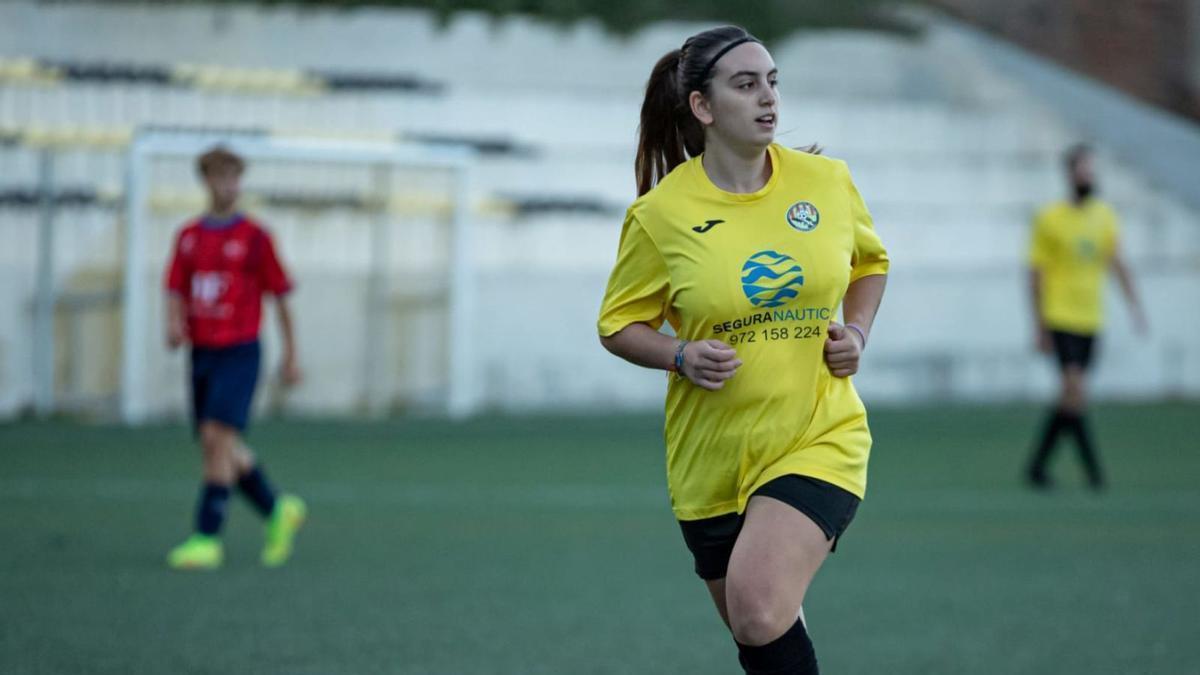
pixel 764 272
pixel 1072 246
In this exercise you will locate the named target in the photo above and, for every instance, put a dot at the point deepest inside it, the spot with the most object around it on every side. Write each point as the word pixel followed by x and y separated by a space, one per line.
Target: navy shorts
pixel 223 381
pixel 1073 349
pixel 711 540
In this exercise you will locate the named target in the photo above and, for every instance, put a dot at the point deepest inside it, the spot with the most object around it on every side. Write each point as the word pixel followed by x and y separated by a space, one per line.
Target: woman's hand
pixel 709 363
pixel 843 349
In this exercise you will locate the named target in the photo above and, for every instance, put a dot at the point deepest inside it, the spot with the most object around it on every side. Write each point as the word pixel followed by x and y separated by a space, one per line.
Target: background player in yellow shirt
pixel 1074 245
pixel 748 249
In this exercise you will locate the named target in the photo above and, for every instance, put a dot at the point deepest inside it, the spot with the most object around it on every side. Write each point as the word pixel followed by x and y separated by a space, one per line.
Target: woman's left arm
pixel 845 343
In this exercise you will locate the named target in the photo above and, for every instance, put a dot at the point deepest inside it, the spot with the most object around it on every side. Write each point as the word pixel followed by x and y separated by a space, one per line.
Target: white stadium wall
pixel 952 158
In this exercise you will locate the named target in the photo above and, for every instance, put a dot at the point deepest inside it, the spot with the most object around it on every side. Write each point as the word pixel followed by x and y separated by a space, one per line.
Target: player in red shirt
pixel 222 265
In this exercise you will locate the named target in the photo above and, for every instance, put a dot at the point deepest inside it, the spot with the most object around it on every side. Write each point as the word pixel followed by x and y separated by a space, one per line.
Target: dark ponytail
pixel 669 134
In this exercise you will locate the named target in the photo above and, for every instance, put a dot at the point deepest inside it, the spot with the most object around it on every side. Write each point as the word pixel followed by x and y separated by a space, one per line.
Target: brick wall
pixel 1148 48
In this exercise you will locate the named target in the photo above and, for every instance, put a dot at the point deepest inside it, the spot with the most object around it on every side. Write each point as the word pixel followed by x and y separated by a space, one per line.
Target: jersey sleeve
pixel 870 258
pixel 1039 243
pixel 639 286
pixel 178 270
pixel 271 275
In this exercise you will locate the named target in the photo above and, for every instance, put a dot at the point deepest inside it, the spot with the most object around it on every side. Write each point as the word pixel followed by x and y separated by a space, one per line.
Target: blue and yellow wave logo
pixel 770 279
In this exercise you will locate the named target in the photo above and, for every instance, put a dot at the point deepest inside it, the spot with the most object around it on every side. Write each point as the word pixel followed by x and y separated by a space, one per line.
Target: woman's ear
pixel 700 108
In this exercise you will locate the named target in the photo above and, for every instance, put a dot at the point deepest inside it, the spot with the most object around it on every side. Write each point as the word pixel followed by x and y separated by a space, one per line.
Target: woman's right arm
pixel 707 363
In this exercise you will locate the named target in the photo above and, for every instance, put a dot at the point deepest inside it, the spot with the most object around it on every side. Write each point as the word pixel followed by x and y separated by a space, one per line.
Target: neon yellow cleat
pixel 198 552
pixel 281 529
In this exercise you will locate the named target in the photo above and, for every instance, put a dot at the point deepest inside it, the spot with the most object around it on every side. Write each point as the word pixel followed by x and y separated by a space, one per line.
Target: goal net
pixel 375 237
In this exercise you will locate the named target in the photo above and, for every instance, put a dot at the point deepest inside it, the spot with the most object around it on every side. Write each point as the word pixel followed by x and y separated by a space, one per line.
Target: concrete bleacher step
pixel 539 117
pixel 952 159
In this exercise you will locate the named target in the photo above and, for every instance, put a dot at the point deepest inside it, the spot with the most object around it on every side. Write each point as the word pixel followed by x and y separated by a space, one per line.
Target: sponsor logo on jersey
pixel 708 225
pixel 770 279
pixel 803 216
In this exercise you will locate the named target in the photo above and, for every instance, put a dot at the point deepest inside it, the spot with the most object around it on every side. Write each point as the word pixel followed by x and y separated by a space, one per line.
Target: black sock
pixel 1087 454
pixel 791 654
pixel 1054 424
pixel 257 489
pixel 210 510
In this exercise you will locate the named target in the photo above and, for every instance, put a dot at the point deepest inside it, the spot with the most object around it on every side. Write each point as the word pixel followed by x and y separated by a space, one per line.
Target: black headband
pixel 717 57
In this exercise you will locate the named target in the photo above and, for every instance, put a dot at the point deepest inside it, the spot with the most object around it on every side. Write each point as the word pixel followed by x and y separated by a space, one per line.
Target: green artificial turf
pixel 546 545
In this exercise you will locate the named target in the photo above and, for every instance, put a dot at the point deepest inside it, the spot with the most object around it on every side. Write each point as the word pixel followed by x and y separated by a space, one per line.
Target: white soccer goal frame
pixel 462 397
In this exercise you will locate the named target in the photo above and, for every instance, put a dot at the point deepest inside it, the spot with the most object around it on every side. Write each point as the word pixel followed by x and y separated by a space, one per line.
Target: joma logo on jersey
pixel 803 216
pixel 708 225
pixel 770 279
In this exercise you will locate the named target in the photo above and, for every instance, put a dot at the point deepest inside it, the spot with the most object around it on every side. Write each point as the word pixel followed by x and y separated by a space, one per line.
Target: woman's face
pixel 742 106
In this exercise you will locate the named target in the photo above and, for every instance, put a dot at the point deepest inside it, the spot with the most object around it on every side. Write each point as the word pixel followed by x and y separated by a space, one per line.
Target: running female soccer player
pixel 221 266
pixel 747 249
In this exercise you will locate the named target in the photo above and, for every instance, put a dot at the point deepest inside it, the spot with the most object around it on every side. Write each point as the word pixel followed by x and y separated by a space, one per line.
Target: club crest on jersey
pixel 234 249
pixel 770 279
pixel 803 216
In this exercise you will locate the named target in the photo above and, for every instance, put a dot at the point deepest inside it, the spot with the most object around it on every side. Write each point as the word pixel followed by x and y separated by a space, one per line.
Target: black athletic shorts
pixel 1073 348
pixel 711 539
